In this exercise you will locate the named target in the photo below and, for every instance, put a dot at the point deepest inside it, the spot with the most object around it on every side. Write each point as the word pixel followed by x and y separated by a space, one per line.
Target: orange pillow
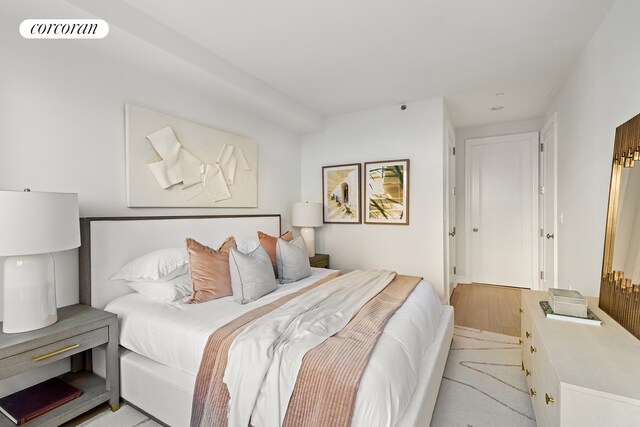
pixel 269 244
pixel 209 270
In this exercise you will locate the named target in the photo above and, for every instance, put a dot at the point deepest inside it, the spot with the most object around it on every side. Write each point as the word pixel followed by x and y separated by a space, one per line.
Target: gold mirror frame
pixel 618 296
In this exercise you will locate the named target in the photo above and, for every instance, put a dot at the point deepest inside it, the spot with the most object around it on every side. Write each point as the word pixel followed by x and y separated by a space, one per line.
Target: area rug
pixel 483 383
pixel 126 416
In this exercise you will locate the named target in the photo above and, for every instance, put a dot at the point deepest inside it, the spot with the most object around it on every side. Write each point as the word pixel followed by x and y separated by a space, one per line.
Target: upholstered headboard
pixel 109 243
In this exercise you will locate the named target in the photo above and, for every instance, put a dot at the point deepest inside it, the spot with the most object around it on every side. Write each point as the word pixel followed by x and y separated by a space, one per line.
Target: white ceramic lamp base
pixel 309 236
pixel 29 293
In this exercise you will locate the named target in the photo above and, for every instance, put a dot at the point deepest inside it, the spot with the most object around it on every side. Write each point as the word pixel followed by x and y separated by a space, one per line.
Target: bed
pixel 162 344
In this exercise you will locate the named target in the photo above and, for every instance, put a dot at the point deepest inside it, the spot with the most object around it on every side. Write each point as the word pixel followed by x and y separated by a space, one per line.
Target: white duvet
pixel 176 334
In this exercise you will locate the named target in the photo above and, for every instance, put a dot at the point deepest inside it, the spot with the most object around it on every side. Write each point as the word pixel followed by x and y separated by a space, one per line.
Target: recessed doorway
pixel 502 210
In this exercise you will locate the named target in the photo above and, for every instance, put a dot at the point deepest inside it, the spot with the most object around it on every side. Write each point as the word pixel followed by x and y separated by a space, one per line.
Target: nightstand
pixel 319 261
pixel 79 328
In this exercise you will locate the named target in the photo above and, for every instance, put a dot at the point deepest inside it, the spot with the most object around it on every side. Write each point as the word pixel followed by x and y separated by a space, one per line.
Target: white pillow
pixel 172 290
pixel 247 245
pixel 293 260
pixel 162 264
pixel 251 274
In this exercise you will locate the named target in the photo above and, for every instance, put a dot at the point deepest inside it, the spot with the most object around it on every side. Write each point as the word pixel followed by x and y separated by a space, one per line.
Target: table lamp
pixel 307 215
pixel 32 225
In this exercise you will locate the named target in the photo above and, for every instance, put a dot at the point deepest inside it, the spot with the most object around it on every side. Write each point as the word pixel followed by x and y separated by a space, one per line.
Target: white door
pixel 548 206
pixel 502 213
pixel 451 209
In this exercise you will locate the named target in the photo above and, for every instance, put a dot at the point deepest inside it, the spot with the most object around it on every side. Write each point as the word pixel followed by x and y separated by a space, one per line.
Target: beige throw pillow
pixel 209 270
pixel 251 275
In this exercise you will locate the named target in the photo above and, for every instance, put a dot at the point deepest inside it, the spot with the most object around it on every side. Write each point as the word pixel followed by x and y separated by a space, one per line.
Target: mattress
pixel 175 335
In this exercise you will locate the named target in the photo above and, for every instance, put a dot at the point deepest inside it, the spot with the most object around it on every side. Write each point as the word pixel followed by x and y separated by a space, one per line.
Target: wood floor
pixel 488 308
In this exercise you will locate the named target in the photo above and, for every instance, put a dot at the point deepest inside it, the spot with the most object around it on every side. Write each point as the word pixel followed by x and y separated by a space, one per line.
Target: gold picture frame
pixel 387 192
pixel 341 194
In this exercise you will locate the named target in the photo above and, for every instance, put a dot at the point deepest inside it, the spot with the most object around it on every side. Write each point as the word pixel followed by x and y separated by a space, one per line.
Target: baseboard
pixel 462 279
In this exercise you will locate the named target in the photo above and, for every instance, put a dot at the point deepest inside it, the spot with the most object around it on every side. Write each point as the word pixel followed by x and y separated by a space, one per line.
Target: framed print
pixel 341 194
pixel 386 192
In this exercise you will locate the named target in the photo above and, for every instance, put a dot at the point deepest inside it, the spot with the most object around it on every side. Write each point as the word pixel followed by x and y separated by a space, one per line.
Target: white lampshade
pixel 32 225
pixel 33 222
pixel 306 214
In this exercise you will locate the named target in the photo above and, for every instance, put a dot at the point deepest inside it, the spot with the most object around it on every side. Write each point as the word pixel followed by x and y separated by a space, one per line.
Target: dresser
pixel 579 375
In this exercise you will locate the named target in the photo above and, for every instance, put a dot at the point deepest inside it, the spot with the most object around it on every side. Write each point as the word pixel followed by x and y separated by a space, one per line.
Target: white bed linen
pixel 176 334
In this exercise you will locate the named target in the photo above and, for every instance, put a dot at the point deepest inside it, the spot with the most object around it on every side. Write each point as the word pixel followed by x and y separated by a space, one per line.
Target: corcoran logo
pixel 64 29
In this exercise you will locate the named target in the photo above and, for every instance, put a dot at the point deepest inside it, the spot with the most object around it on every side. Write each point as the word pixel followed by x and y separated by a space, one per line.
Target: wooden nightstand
pixel 79 328
pixel 319 261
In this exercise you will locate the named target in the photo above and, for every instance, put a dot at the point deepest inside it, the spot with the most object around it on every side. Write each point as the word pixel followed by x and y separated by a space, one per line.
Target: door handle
pixel 475 230
pixel 550 236
pixel 453 233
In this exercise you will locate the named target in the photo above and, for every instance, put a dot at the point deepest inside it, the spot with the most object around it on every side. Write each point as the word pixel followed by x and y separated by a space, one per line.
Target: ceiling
pixel 337 56
pixel 321 58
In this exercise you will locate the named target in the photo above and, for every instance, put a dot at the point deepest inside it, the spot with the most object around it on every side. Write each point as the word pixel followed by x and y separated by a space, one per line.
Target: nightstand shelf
pixel 319 261
pixel 79 328
pixel 94 393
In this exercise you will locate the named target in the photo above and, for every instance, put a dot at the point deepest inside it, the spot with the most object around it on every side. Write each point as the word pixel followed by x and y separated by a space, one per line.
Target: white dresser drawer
pixel 548 389
pixel 527 341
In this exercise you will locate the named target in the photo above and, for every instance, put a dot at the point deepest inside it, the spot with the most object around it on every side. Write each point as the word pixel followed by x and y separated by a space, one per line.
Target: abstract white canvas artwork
pixel 173 162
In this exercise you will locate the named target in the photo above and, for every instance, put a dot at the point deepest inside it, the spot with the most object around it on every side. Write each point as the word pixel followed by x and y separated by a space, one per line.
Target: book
pixel 591 318
pixel 27 404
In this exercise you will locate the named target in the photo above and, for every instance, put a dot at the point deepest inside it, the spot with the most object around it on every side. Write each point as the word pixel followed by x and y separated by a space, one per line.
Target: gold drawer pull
pixel 532 392
pixel 527 334
pixel 548 398
pixel 53 353
pixel 533 349
pixel 527 372
pixel 519 340
pixel 521 310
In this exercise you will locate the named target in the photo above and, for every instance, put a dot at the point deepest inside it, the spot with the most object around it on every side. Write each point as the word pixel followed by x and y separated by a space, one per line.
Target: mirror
pixel 626 248
pixel 620 285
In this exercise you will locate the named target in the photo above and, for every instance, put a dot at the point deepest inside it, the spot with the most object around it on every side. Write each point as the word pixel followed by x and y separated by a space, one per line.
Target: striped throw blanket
pixel 278 364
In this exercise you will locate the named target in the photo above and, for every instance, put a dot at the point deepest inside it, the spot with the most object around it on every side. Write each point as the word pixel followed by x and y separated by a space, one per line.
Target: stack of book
pixel 565 304
pixel 591 318
pixel 30 403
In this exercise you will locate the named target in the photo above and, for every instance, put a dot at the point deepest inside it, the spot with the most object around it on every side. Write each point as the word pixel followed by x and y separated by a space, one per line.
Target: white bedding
pixel 265 358
pixel 175 335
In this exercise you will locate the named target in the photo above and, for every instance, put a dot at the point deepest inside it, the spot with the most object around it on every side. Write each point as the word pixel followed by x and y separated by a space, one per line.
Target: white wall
pixel 62 129
pixel 383 134
pixel 601 92
pixel 462 134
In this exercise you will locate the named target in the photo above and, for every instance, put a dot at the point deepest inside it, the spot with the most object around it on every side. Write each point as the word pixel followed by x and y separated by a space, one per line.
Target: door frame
pixel 553 121
pixel 535 153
